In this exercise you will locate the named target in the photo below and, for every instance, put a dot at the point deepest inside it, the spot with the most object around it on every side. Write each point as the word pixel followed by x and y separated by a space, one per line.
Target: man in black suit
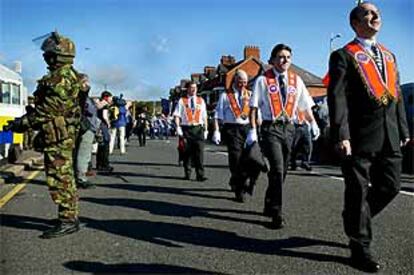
pixel 368 125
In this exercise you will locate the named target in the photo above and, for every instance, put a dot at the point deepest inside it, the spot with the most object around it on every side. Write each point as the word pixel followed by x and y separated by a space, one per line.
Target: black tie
pixel 282 87
pixel 377 58
pixel 192 104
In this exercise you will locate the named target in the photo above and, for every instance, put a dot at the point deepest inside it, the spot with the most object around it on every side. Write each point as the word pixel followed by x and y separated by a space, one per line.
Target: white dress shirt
pixel 180 111
pixel 224 111
pixel 260 97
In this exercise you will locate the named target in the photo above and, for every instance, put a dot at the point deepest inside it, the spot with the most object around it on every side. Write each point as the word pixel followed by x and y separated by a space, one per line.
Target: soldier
pixel 191 120
pixel 233 112
pixel 57 116
pixel 277 94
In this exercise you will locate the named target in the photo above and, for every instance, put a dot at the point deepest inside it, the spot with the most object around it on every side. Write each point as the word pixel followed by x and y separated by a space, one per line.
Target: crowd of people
pixel 366 113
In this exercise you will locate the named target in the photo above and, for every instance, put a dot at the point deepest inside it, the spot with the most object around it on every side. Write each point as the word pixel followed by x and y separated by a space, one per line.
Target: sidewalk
pixel 13 177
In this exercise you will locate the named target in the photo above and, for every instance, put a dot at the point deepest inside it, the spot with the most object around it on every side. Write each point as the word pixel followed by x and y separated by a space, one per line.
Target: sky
pixel 142 48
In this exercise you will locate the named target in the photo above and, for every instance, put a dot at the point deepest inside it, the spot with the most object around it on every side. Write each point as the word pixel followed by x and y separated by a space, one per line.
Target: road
pixel 144 218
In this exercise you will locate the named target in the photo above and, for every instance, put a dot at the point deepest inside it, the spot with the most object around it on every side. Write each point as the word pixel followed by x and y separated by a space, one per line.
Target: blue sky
pixel 141 48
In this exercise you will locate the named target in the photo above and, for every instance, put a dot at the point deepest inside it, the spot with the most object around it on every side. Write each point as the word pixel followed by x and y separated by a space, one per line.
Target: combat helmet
pixel 62 46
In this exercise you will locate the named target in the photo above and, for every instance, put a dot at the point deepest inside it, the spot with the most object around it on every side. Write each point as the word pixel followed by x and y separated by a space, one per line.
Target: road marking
pixel 407 193
pixel 342 179
pixel 17 189
pixel 318 173
pixel 221 153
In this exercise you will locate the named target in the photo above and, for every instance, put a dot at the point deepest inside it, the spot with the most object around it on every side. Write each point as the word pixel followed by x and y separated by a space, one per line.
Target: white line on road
pixel 322 174
pixel 342 179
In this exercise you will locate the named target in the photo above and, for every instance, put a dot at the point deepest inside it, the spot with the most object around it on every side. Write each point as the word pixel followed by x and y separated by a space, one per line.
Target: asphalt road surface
pixel 144 218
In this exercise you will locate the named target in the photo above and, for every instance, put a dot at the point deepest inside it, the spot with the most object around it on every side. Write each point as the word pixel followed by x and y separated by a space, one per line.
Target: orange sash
pixel 239 111
pixel 381 90
pixel 275 98
pixel 193 118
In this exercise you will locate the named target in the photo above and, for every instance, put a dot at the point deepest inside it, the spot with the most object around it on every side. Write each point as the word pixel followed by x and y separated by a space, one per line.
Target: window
pixel 5 93
pixel 15 94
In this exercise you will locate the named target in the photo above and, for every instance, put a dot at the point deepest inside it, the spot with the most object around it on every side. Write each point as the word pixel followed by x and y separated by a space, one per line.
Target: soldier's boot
pixel 61 229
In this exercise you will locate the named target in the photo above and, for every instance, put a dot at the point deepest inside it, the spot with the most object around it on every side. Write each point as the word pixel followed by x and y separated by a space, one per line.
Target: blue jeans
pixel 83 155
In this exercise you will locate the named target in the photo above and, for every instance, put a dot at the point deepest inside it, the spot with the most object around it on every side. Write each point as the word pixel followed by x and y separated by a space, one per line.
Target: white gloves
pixel 216 137
pixel 251 137
pixel 315 130
pixel 205 134
pixel 179 131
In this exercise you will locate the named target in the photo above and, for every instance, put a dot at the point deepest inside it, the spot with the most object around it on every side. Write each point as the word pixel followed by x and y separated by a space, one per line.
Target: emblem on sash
pixel 273 88
pixel 361 57
pixel 291 89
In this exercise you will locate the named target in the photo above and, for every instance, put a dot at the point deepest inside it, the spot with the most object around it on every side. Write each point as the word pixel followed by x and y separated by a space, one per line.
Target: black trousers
pixel 235 137
pixel 194 150
pixel 142 137
pixel 302 143
pixel 276 144
pixel 102 155
pixel 371 182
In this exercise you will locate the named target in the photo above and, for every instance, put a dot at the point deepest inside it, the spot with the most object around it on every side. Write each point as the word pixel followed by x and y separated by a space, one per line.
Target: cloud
pixel 119 80
pixel 113 76
pixel 160 45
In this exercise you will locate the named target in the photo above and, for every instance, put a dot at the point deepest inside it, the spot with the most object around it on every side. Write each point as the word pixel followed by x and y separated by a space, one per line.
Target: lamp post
pixel 331 40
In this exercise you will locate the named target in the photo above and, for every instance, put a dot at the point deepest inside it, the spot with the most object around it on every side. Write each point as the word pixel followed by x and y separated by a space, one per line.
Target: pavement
pixel 13 177
pixel 144 218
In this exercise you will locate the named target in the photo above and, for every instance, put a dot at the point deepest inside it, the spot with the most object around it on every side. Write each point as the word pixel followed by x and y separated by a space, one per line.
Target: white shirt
pixel 180 111
pixel 367 43
pixel 260 97
pixel 224 111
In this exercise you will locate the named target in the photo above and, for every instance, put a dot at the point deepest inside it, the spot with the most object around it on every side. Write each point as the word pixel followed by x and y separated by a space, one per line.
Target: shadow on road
pixel 173 210
pixel 177 235
pixel 131 174
pixel 124 268
pixel 168 190
pixel 407 189
pixel 164 164
pixel 23 222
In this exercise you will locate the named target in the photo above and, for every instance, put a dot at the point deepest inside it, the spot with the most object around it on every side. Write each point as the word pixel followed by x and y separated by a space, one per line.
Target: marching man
pixel 277 94
pixel 191 119
pixel 233 112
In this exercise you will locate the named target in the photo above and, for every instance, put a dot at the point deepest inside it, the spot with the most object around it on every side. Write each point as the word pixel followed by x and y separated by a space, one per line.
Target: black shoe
pixel 61 229
pixel 85 185
pixel 240 197
pixel 365 263
pixel 306 166
pixel 277 222
pixel 201 178
pixel 267 212
pixel 293 167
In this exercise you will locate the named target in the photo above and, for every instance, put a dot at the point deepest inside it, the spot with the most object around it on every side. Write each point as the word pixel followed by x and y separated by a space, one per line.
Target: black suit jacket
pixel 356 115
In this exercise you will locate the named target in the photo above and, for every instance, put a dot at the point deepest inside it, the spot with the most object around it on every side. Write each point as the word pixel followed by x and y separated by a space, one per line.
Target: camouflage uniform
pixel 57 117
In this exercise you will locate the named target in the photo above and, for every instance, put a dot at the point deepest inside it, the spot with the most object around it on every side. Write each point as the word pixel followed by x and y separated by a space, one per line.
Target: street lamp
pixel 333 37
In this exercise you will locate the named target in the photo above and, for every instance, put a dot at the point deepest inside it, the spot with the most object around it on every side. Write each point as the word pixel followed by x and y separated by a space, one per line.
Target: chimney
pixel 208 70
pixel 17 67
pixel 251 51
